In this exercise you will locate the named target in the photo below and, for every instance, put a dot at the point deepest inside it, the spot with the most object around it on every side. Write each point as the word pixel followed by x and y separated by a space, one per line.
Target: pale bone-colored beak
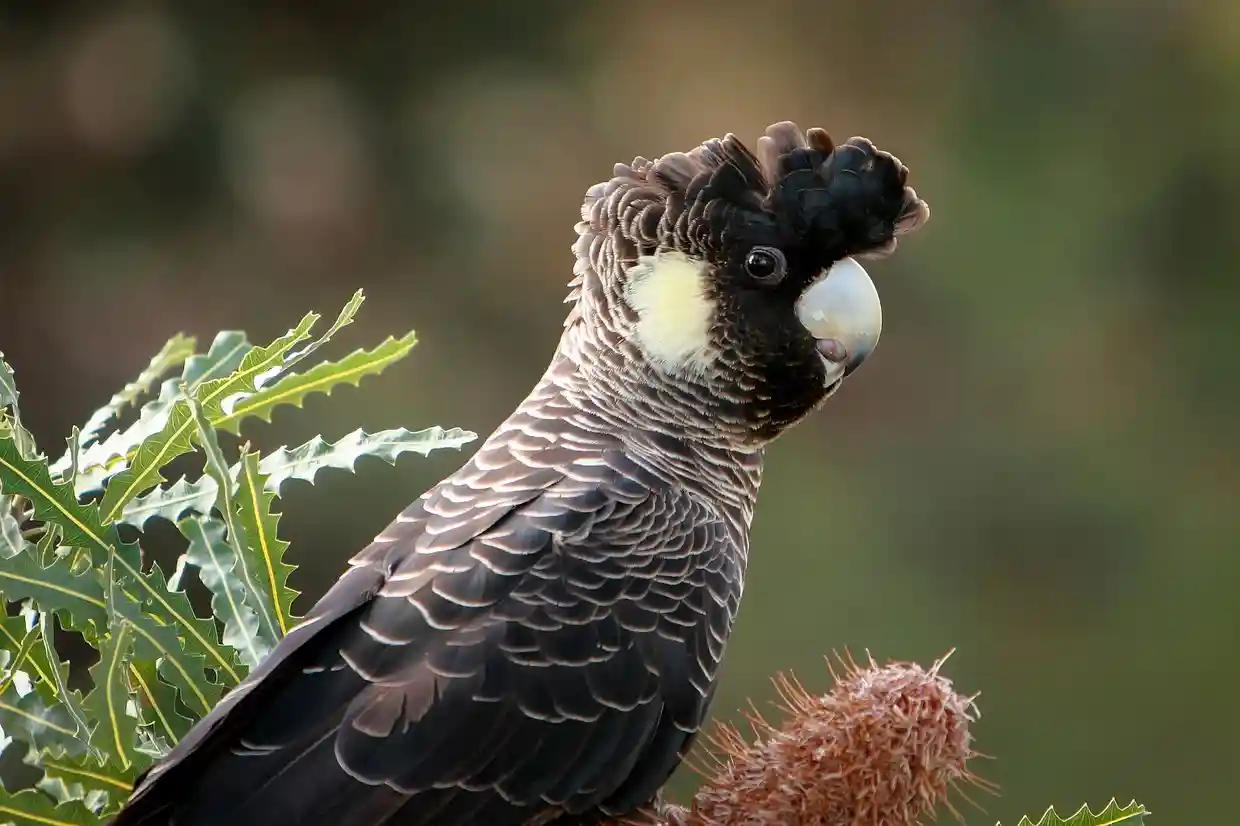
pixel 842 312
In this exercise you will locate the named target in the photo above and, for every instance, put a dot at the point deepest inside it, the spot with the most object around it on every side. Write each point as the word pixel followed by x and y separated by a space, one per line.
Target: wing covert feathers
pixel 527 638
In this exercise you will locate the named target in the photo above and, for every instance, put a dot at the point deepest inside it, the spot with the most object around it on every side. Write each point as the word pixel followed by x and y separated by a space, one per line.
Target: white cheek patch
pixel 667 291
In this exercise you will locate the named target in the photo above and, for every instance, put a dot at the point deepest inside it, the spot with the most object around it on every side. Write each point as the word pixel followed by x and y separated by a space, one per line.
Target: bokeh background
pixel 1040 466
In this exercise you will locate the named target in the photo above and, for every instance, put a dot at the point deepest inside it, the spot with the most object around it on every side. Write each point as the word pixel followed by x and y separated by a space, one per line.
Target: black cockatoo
pixel 538 637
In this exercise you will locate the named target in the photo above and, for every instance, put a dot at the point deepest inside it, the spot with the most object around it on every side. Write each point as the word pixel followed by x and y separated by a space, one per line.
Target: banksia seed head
pixel 882 748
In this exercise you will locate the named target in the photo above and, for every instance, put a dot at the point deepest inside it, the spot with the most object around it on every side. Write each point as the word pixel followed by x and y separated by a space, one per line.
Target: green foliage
pixel 323 378
pixel 31 807
pixel 174 353
pixel 1113 815
pixel 161 666
pixel 62 555
pixel 170 502
pixel 11 540
pixel 305 461
pixel 263 557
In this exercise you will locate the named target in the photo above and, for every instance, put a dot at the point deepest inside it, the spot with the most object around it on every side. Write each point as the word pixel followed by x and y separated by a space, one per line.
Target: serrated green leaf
pixel 90 480
pixel 31 807
pixel 56 503
pixel 108 702
pixel 143 471
pixel 105 459
pixel 73 450
pixel 71 700
pixel 73 779
pixel 157 707
pixel 62 792
pixel 11 540
pixel 56 588
pixel 11 418
pixel 299 463
pixel 173 354
pixel 247 584
pixel 172 502
pixel 228 349
pixel 305 461
pixel 343 319
pixel 81 602
pixel 8 385
pixel 18 635
pixel 265 546
pixel 47 550
pixel 31 719
pixel 217 562
pixel 169 631
pixel 11 428
pixel 198 695
pixel 255 366
pixel 78 598
pixel 1113 815
pixel 322 378
pixel 21 660
pixel 127 692
pixel 176 435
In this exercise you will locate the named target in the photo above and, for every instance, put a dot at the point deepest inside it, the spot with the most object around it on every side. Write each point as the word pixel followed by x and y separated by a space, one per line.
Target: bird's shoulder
pixel 543 484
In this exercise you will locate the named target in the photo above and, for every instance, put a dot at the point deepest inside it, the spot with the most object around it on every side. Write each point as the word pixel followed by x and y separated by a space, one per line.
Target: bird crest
pixel 799 187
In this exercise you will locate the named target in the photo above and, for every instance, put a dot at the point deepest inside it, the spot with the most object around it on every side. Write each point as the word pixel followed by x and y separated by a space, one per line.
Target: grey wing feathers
pixel 528 637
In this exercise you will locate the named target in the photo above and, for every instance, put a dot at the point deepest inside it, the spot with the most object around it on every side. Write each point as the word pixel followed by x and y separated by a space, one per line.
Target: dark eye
pixel 765 264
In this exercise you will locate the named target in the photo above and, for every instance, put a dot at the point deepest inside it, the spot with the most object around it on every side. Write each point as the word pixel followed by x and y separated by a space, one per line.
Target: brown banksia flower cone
pixel 883 747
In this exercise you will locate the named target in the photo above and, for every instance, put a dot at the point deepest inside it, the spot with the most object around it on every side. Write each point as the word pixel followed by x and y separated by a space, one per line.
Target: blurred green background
pixel 1039 467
